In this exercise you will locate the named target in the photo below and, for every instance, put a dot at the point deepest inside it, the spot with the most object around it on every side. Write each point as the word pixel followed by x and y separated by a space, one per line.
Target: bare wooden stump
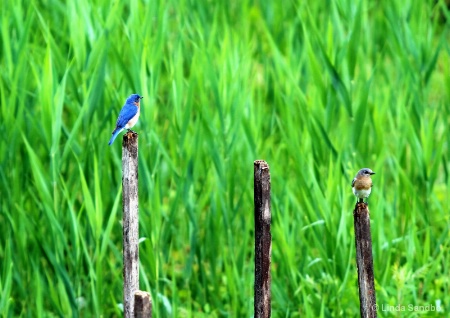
pixel 364 261
pixel 263 239
pixel 130 221
pixel 142 305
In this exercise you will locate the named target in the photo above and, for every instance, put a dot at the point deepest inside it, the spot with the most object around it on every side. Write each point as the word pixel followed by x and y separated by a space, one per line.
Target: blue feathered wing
pixel 126 113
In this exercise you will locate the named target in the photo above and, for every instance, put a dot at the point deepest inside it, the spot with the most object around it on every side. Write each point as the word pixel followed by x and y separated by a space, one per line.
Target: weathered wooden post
pixel 142 305
pixel 130 221
pixel 135 302
pixel 263 239
pixel 364 261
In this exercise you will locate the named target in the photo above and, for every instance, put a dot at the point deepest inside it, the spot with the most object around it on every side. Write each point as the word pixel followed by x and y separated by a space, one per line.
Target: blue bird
pixel 128 116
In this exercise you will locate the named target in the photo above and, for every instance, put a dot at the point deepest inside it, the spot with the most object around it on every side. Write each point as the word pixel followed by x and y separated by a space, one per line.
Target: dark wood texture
pixel 364 261
pixel 142 305
pixel 263 239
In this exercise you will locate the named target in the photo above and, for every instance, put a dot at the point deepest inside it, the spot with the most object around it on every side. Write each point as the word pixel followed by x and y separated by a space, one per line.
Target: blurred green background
pixel 317 89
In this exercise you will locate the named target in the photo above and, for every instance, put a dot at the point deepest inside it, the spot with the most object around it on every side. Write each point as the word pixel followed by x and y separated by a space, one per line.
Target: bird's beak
pixel 141 97
pixel 372 173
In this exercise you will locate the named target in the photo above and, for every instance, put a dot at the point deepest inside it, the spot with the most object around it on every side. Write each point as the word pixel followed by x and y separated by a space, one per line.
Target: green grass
pixel 317 90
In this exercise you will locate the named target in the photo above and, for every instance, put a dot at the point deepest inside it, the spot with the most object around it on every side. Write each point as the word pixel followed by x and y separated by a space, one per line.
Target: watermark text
pixel 410 307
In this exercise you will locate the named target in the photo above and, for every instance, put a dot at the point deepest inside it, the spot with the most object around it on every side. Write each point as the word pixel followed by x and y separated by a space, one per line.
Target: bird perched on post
pixel 362 184
pixel 128 116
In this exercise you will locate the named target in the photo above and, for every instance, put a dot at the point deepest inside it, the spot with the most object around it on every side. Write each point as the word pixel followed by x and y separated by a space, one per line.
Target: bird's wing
pixel 127 112
pixel 353 182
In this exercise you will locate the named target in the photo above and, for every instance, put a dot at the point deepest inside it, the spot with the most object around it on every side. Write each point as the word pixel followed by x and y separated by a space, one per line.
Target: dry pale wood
pixel 130 221
pixel 364 261
pixel 263 239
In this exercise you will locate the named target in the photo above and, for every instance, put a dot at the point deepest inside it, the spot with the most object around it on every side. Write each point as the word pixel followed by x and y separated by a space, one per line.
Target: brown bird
pixel 362 184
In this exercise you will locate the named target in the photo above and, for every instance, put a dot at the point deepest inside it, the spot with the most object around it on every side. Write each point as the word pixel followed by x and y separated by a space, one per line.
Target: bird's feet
pixel 361 200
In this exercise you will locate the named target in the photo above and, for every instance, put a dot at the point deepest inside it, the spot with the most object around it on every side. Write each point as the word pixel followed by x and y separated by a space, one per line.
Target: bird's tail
pixel 114 136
